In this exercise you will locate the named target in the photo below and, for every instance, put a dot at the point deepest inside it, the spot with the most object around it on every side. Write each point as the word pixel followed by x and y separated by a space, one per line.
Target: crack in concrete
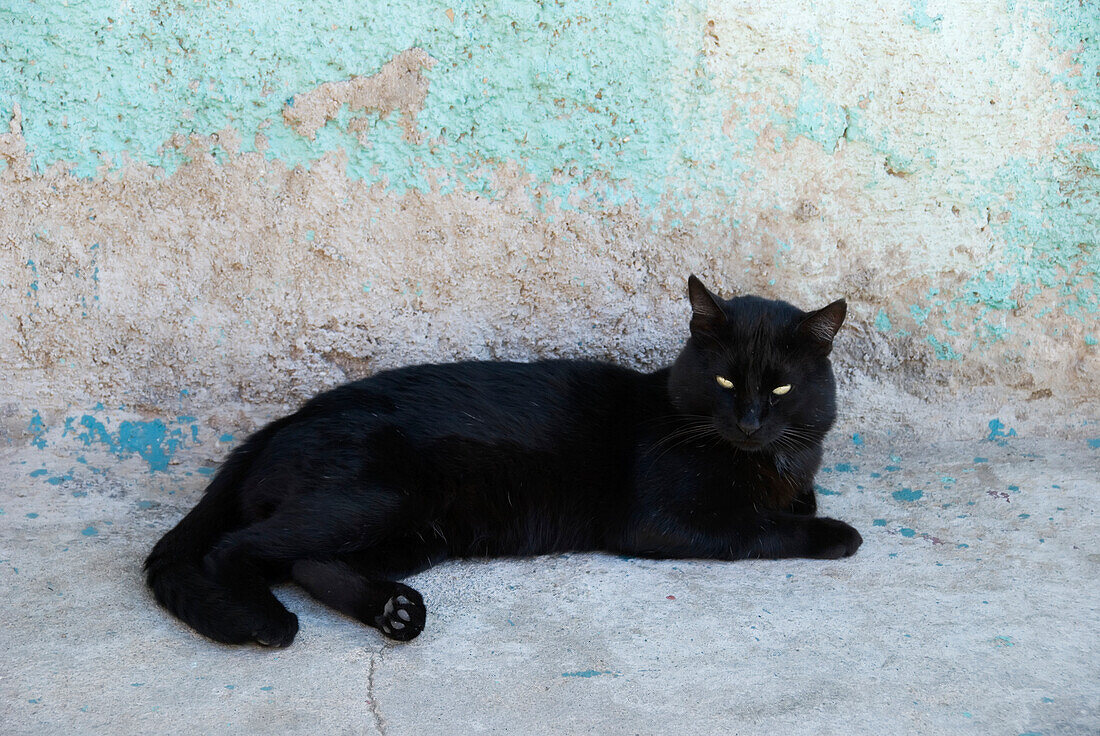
pixel 372 701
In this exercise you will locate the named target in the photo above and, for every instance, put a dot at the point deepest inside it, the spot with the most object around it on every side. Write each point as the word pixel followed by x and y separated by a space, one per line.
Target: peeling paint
pixel 340 193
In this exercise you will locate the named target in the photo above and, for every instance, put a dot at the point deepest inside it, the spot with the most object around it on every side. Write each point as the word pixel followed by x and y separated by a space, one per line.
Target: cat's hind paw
pixel 403 615
pixel 276 631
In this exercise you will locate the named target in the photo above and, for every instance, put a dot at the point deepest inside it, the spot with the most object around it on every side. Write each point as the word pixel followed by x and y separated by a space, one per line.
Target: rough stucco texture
pixel 207 205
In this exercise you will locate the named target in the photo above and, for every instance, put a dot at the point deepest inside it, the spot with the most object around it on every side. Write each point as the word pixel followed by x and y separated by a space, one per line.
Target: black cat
pixel 713 457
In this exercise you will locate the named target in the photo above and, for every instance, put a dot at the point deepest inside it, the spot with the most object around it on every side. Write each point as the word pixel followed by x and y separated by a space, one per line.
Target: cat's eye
pixel 780 390
pixel 724 382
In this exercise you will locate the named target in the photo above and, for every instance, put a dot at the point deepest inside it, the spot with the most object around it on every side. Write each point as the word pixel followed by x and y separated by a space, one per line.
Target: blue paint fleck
pixel 1095 443
pixel 892 468
pixel 90 531
pixel 879 522
pixel 844 468
pixel 962 545
pixel 981 460
pixel 226 438
pixel 907 494
pixel 37 473
pixel 857 440
pixel 32 515
pixel 1048 700
pixel 907 532
pixel 267 688
pixel 825 491
pixel 145 504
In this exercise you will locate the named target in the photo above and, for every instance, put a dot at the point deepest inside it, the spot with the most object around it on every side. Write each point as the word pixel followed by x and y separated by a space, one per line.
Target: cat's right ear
pixel 707 317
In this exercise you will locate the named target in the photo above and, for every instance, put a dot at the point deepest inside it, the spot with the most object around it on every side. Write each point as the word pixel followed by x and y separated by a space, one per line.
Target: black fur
pixel 384 477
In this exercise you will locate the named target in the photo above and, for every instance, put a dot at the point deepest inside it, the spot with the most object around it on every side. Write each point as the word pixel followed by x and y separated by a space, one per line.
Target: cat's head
pixel 758 369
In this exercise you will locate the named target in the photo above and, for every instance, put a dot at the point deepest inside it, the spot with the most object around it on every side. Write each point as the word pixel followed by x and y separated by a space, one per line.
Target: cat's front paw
pixel 403 615
pixel 831 539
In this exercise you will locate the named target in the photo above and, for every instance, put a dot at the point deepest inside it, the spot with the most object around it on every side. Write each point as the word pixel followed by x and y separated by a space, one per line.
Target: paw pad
pixel 403 616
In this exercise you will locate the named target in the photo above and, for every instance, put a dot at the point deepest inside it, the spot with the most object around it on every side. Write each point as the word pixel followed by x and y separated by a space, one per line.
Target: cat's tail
pixel 174 569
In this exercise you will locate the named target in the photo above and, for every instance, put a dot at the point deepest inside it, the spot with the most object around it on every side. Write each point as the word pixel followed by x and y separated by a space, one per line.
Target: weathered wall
pixel 207 206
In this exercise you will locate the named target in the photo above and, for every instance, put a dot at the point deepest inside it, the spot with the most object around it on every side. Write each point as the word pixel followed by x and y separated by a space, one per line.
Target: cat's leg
pixel 805 502
pixel 245 560
pixel 767 535
pixel 363 585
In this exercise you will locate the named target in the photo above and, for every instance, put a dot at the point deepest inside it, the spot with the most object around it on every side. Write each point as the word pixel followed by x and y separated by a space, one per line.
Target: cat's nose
pixel 748 425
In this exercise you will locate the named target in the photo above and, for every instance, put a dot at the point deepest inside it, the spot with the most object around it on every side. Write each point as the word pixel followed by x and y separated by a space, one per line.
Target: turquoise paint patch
pixel 38 428
pixel 588 673
pixel 942 350
pixel 978 460
pixel 38 473
pixel 817 118
pixel 226 438
pixel 907 494
pixel 845 468
pixel 152 440
pixel 825 491
pixel 857 439
pixel 89 531
pixel 919 17
pixel 32 515
pixel 607 92
pixel 907 532
pixel 879 522
pixel 997 432
pixel 59 479
pixel 1095 443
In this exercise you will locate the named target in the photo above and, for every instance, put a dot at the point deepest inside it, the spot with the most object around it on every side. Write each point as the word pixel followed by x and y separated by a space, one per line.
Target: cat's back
pixel 440 398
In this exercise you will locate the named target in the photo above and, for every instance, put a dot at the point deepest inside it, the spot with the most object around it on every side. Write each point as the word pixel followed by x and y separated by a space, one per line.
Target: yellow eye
pixel 724 382
pixel 780 390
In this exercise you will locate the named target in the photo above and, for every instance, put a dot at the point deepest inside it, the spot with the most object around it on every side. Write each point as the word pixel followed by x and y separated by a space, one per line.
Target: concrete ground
pixel 971 608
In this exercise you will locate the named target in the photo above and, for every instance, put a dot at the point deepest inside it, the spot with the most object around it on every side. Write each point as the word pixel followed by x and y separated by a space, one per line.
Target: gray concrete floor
pixel 971 608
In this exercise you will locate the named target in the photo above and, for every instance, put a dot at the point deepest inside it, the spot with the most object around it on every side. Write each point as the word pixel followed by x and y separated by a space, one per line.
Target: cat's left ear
pixel 820 327
pixel 707 317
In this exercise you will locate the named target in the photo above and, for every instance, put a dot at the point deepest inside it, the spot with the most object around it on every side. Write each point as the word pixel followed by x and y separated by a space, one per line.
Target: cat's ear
pixel 820 327
pixel 707 317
